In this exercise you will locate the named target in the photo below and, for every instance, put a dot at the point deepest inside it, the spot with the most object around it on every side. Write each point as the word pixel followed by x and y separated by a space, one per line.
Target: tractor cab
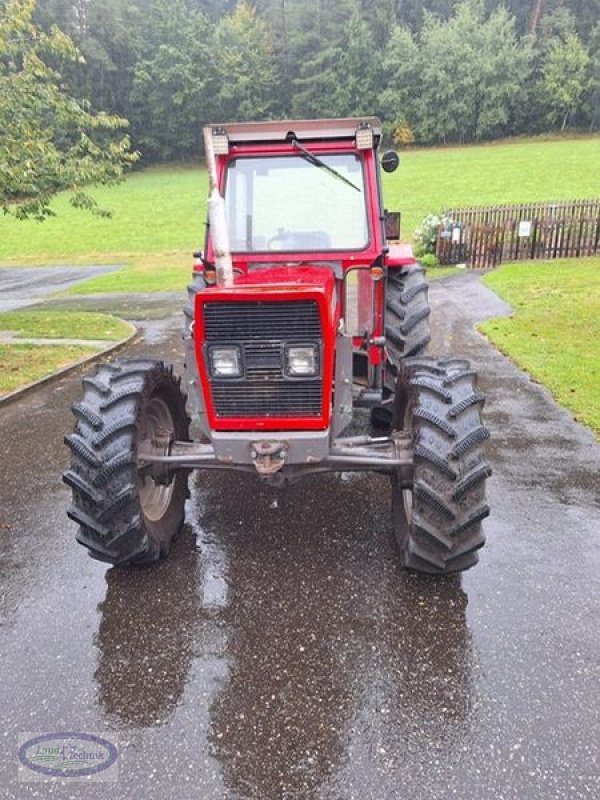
pixel 304 214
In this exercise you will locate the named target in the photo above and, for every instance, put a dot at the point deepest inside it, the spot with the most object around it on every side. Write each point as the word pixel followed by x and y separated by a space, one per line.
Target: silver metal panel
pixel 303 447
pixel 342 389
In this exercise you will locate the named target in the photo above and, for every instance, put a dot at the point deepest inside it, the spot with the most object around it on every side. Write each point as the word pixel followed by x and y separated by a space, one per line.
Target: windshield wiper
pixel 313 159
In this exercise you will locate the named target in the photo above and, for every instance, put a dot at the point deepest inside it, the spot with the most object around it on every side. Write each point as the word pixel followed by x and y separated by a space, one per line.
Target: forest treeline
pixel 436 71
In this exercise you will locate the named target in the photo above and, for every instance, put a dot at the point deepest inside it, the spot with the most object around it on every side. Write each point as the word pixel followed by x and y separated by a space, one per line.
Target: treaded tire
pixel 407 312
pixel 124 517
pixel 407 332
pixel 438 523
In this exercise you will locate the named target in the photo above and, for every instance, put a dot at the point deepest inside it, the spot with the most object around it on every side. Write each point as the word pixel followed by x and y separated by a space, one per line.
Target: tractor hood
pixel 285 283
pixel 289 276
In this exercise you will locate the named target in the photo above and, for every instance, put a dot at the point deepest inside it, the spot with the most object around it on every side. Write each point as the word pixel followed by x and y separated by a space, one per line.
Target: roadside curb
pixel 114 347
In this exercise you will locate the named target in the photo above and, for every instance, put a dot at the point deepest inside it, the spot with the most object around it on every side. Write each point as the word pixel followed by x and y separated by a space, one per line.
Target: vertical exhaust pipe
pixel 216 217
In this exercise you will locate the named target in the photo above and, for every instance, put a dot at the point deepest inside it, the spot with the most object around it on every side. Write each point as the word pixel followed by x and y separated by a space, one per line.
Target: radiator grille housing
pixel 262 330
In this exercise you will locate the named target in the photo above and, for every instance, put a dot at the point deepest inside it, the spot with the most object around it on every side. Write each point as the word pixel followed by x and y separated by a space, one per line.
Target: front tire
pixel 407 311
pixel 407 332
pixel 126 515
pixel 437 522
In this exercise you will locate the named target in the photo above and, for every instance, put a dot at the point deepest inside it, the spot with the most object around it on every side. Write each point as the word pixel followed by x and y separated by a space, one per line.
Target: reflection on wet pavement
pixel 281 652
pixel 324 636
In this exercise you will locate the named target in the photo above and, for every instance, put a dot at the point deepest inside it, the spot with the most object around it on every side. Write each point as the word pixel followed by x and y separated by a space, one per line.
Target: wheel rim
pixel 155 498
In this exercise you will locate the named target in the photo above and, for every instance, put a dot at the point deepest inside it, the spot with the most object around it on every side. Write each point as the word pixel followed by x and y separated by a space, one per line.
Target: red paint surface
pixel 279 284
pixel 400 255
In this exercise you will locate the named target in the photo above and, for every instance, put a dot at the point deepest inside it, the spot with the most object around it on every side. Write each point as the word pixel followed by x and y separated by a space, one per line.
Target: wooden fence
pixel 484 237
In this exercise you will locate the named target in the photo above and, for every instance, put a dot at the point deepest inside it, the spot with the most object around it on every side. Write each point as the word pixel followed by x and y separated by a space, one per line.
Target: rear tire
pixel 437 522
pixel 125 515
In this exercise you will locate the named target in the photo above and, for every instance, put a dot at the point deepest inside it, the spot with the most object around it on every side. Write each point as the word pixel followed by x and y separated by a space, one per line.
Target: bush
pixel 426 233
pixel 429 260
pixel 403 135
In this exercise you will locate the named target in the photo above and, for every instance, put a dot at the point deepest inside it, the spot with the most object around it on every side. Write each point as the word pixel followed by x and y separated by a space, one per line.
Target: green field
pixel 428 181
pixel 162 209
pixel 34 324
pixel 155 210
pixel 21 364
pixel 24 363
pixel 554 333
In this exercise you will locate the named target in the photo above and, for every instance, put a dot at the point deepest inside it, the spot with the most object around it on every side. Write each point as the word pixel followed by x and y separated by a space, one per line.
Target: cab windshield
pixel 292 204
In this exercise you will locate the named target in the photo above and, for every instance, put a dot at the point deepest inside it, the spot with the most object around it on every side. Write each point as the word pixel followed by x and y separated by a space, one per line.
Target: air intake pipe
pixel 216 217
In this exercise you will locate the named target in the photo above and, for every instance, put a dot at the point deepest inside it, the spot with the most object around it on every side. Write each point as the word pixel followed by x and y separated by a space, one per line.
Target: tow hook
pixel 268 457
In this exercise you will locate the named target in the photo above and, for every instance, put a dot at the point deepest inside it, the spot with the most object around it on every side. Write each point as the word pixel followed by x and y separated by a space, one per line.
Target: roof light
pixel 364 137
pixel 220 142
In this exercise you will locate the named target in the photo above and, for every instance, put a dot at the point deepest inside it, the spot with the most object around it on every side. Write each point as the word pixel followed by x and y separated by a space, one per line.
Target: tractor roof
pixel 307 129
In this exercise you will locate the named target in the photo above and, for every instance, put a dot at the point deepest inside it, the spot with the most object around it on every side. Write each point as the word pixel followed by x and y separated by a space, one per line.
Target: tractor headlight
pixel 302 360
pixel 225 362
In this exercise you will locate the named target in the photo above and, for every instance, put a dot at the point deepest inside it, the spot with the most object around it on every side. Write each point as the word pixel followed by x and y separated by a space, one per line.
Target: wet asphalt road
pixel 281 653
pixel 26 286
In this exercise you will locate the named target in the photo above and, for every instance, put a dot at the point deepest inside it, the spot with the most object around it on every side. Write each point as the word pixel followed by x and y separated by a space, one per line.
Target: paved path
pixel 281 653
pixel 25 286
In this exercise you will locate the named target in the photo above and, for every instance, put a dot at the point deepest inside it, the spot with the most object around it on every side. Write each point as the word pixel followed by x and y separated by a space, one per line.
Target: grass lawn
pixel 64 325
pixel 153 272
pixel 436 179
pixel 433 273
pixel 554 333
pixel 22 364
pixel 158 220
pixel 154 210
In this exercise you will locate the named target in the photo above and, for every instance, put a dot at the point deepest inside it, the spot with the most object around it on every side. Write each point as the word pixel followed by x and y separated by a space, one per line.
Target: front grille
pixel 262 330
pixel 297 320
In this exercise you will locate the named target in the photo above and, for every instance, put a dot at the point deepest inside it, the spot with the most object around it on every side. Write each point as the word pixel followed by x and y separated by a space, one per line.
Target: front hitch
pixel 268 457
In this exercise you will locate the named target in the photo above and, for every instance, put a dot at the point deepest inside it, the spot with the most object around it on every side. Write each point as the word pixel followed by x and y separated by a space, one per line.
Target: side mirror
pixel 392 225
pixel 390 161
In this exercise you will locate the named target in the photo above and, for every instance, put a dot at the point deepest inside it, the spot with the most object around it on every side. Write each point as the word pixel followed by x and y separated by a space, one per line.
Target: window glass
pixel 288 203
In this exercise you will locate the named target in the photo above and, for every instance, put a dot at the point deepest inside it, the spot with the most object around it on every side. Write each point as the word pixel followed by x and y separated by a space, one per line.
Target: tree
pixel 472 70
pixel 356 92
pixel 564 78
pixel 593 100
pixel 170 78
pixel 110 35
pixel 50 140
pixel 400 79
pixel 317 42
pixel 504 68
pixel 244 67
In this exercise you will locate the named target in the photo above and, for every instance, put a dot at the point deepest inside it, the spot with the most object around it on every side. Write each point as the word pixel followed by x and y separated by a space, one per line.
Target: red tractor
pixel 301 309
